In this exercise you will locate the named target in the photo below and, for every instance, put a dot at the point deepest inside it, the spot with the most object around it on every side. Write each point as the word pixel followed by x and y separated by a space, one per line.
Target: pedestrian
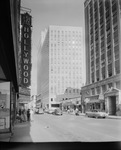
pixel 18 118
pixel 20 114
pixel 31 114
pixel 76 111
pixel 24 115
pixel 28 115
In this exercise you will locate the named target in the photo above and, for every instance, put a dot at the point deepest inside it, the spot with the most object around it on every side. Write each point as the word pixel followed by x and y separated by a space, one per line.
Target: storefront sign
pixel 24 91
pixel 26 50
pixel 4 106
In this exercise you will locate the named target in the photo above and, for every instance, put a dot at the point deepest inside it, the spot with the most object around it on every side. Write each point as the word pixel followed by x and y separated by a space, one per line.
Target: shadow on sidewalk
pixel 21 132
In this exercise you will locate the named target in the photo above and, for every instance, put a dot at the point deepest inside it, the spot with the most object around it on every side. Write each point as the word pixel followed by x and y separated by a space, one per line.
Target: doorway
pixel 112 105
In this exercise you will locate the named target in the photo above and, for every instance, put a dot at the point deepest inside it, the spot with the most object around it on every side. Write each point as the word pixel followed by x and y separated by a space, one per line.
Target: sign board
pixel 24 98
pixel 25 50
pixel 24 91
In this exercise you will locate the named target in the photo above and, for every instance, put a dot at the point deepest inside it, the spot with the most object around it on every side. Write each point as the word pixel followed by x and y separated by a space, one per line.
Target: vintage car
pixel 39 111
pixel 50 111
pixel 58 112
pixel 96 114
pixel 46 110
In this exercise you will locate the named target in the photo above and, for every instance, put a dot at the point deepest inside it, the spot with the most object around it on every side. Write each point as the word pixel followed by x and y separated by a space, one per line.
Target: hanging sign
pixel 26 50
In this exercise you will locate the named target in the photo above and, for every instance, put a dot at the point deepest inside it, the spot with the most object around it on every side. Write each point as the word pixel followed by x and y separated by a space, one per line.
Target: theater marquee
pixel 26 50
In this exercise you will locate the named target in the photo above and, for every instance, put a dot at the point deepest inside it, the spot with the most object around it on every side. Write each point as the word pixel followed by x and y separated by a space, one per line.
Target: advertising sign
pixel 4 106
pixel 26 50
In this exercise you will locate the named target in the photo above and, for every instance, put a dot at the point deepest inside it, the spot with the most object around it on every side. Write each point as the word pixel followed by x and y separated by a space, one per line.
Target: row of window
pixel 61 36
pixel 97 90
pixel 114 12
pixel 65 32
pixel 103 71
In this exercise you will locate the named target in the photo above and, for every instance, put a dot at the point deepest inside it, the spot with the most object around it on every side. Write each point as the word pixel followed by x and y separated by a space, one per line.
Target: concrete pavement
pixel 5 137
pixel 22 130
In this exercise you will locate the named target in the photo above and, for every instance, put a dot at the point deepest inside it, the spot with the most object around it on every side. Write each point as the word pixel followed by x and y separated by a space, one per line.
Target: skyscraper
pixel 60 61
pixel 103 54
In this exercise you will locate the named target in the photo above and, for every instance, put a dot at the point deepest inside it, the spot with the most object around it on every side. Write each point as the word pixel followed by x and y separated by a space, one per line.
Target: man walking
pixel 28 115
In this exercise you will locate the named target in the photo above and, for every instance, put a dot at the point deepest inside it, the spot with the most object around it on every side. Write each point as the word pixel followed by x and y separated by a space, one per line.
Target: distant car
pixel 36 110
pixel 58 112
pixel 46 110
pixel 51 111
pixel 40 111
pixel 96 114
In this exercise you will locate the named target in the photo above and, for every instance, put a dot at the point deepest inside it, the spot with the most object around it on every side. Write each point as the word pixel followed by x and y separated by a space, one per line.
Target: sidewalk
pixel 21 132
pixel 5 137
pixel 114 117
pixel 83 114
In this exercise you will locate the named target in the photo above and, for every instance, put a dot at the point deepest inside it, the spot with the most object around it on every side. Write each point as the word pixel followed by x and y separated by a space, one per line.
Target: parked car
pixel 36 110
pixel 46 110
pixel 39 111
pixel 51 111
pixel 96 114
pixel 58 112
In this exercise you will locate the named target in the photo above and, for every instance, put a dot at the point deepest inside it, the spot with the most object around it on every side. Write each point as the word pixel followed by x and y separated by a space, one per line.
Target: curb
pixel 80 114
pixel 109 117
pixel 113 117
pixel 5 137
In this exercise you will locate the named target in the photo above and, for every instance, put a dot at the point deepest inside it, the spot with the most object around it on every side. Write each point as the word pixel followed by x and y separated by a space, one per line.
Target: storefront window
pixel 118 85
pixel 13 106
pixel 4 107
pixel 93 91
pixel 103 88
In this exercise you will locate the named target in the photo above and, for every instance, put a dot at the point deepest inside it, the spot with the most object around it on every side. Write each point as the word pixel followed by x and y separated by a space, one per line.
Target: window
pixel 97 75
pixel 102 56
pixel 98 90
pixel 115 19
pixel 93 91
pixel 92 77
pixel 110 85
pixel 103 88
pixel 114 7
pixel 118 85
pixel 103 73
pixel 110 70
pixel 117 66
pixel 116 52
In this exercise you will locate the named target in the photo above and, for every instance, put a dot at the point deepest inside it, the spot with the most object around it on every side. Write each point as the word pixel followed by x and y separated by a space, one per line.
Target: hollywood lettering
pixel 26 49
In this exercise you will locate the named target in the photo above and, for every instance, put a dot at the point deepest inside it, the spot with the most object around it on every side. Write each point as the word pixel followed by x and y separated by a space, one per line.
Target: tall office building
pixel 103 54
pixel 60 61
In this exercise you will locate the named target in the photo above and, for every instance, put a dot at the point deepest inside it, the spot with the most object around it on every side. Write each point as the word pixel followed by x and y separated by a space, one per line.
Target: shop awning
pixel 94 101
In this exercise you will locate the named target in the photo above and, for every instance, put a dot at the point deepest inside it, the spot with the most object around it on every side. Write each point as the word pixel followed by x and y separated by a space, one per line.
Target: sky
pixel 51 12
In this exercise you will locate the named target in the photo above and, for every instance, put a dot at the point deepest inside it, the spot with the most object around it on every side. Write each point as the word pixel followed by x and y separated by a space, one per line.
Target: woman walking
pixel 28 115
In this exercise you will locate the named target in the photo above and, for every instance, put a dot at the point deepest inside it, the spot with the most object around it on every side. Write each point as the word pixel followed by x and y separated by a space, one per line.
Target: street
pixel 66 128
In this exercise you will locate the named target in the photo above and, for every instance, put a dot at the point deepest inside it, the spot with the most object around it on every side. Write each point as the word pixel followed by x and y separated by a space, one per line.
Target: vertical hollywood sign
pixel 26 49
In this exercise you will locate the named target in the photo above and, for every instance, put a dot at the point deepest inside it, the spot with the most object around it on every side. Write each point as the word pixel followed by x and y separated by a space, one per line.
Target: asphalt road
pixel 66 128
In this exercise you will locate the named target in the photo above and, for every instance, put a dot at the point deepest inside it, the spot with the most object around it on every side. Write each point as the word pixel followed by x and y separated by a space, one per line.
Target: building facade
pixel 103 55
pixel 71 99
pixel 60 61
pixel 9 74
